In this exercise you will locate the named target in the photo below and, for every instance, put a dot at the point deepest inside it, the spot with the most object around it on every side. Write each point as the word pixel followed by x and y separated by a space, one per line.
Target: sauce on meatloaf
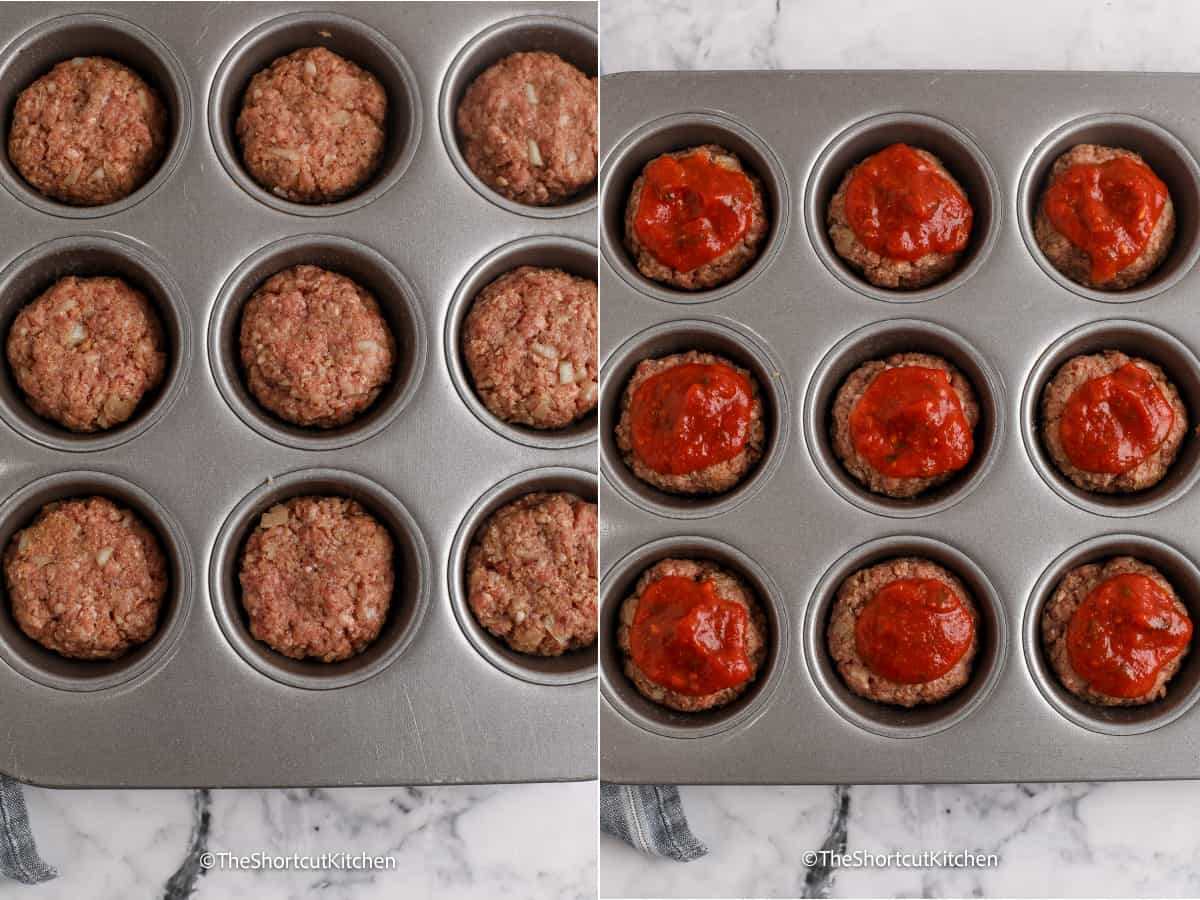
pixel 914 630
pixel 1111 424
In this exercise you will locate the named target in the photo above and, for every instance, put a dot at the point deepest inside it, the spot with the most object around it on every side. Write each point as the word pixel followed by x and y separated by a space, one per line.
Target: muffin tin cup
pixel 573 41
pixel 1173 162
pixel 140 664
pixel 410 599
pixel 618 584
pixel 1137 339
pixel 92 255
pixel 39 49
pixel 572 256
pixel 679 336
pixel 621 167
pixel 888 720
pixel 1182 691
pixel 961 156
pixel 572 667
pixel 875 342
pixel 371 270
pixel 348 37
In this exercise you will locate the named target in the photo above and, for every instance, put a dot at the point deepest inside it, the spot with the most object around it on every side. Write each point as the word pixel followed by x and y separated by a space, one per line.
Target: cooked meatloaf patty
pixel 87 351
pixel 531 574
pixel 528 126
pixel 87 579
pixel 1074 262
pixel 855 593
pixel 315 347
pixel 312 126
pixel 729 587
pixel 89 132
pixel 851 392
pixel 1076 372
pixel 714 479
pixel 1061 607
pixel 726 267
pixel 529 342
pixel 317 577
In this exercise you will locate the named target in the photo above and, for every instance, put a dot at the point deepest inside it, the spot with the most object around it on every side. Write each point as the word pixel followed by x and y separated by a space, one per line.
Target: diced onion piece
pixel 104 556
pixel 284 153
pixel 535 154
pixel 309 68
pixel 543 350
pixel 276 515
pixel 77 334
pixel 530 93
pixel 589 393
pixel 566 372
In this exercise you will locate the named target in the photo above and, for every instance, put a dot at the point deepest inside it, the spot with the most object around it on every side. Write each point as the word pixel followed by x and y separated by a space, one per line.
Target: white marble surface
pixel 1052 840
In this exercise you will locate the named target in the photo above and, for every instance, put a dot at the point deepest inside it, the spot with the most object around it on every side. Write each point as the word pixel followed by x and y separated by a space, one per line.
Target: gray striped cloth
pixel 649 817
pixel 19 858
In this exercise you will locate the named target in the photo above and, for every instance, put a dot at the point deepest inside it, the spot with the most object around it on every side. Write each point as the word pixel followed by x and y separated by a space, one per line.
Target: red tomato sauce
pixel 1113 423
pixel 909 423
pixel 913 631
pixel 690 417
pixel 685 637
pixel 1123 633
pixel 1108 210
pixel 692 210
pixel 901 207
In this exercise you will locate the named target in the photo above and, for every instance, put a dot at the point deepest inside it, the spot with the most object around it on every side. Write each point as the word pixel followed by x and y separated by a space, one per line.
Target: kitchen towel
pixel 19 858
pixel 649 817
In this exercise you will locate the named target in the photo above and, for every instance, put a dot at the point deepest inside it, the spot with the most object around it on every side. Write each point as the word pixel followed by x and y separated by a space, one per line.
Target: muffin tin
pixel 434 699
pixel 801 319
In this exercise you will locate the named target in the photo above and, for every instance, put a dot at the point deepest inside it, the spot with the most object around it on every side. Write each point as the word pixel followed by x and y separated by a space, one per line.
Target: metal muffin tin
pixel 1009 526
pixel 435 699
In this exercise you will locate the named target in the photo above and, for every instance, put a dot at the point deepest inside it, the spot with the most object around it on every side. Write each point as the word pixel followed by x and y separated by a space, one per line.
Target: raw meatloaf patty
pixel 312 126
pixel 1056 617
pixel 851 392
pixel 713 479
pixel 853 596
pixel 1074 262
pixel 728 587
pixel 528 128
pixel 725 267
pixel 317 577
pixel 1079 370
pixel 530 344
pixel 531 574
pixel 87 351
pixel 883 271
pixel 315 347
pixel 89 132
pixel 86 579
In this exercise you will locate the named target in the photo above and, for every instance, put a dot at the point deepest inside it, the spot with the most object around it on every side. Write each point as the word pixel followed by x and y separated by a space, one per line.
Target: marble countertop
pixel 1111 840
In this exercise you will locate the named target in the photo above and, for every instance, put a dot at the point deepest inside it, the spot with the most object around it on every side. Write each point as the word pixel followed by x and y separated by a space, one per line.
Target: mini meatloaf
pixel 312 126
pixel 853 597
pixel 87 579
pixel 531 574
pixel 88 133
pixel 713 479
pixel 879 269
pixel 529 343
pixel 1075 586
pixel 734 260
pixel 315 348
pixel 528 128
pixel 851 392
pixel 728 587
pixel 1075 373
pixel 317 576
pixel 1073 261
pixel 87 351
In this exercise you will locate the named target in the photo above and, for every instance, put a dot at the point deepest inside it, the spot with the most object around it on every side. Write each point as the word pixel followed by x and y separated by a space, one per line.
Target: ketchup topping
pixel 900 206
pixel 1123 633
pixel 690 417
pixel 687 638
pixel 913 630
pixel 909 423
pixel 1108 210
pixel 692 210
pixel 1112 423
